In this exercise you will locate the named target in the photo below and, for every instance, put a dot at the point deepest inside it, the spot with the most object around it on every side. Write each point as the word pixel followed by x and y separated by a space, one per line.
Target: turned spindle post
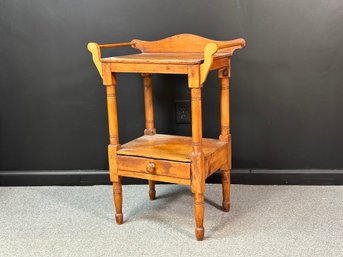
pixel 149 121
pixel 109 80
pixel 224 76
pixel 197 166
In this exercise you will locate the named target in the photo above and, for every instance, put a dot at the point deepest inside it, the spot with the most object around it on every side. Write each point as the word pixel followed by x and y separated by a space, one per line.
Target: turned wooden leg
pixel 226 189
pixel 197 157
pixel 152 191
pixel 118 201
pixel 109 80
pixel 224 76
pixel 148 105
pixel 149 120
pixel 199 216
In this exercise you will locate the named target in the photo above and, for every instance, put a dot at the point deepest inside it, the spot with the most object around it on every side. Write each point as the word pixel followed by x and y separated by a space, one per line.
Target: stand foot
pixel 199 233
pixel 118 200
pixel 119 218
pixel 226 206
pixel 199 216
pixel 226 190
pixel 152 191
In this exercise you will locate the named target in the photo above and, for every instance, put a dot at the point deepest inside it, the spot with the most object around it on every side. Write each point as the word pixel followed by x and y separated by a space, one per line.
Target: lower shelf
pixel 169 147
pixel 167 158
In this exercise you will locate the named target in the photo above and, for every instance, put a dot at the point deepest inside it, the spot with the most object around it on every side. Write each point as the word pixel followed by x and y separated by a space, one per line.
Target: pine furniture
pixel 170 158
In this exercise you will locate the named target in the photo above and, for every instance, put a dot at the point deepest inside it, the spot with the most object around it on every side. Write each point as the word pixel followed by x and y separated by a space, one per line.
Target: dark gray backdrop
pixel 286 87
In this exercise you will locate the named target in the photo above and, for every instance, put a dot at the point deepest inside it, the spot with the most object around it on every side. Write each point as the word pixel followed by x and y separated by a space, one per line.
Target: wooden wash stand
pixel 169 158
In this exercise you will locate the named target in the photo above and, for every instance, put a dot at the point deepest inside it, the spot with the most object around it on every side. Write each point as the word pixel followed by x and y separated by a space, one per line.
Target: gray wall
pixel 286 87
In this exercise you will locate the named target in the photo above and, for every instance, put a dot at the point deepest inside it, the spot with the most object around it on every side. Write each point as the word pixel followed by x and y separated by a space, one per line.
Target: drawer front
pixel 154 167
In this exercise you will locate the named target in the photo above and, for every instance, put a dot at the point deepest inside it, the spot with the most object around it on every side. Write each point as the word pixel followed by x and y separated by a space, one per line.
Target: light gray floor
pixel 263 221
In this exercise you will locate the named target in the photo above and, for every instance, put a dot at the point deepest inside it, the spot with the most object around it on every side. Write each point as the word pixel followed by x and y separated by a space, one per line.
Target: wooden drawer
pixel 153 168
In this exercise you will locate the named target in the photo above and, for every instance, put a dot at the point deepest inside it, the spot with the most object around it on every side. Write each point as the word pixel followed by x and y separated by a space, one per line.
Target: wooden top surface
pixel 167 147
pixel 163 58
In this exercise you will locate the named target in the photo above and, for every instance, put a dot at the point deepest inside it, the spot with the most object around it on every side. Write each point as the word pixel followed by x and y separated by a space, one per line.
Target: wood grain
pixel 161 167
pixel 118 201
pixel 151 68
pixel 149 120
pixel 133 174
pixel 164 58
pixel 148 105
pixel 226 190
pixel 225 136
pixel 182 43
pixel 112 114
pixel 168 147
pixel 152 191
pixel 199 216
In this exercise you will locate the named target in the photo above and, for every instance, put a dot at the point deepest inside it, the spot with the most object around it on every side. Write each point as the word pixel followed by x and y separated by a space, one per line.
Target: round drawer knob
pixel 151 167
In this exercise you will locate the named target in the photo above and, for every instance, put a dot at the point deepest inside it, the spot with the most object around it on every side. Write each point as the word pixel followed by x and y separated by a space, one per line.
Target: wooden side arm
pixel 209 51
pixel 94 48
